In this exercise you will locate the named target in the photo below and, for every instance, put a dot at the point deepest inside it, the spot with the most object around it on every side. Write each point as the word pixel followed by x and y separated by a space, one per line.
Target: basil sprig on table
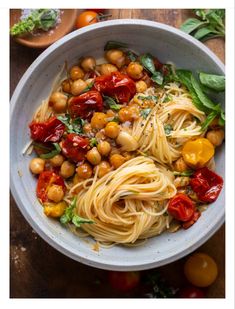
pixel 70 216
pixel 200 99
pixel 72 126
pixel 52 153
pixel 210 24
pixel 147 61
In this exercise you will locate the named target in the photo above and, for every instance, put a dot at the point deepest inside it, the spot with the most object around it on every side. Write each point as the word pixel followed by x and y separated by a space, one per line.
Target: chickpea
pixel 66 85
pixel 104 168
pixel 54 210
pixel 216 137
pixel 76 73
pixel 141 86
pixel 128 113
pixel 57 160
pixel 88 64
pixel 37 165
pixel 112 129
pixel 58 101
pixel 87 128
pixel 106 69
pixel 104 148
pixel 78 86
pixel 180 165
pixel 67 169
pixel 93 156
pixel 116 160
pixel 114 56
pixel 135 70
pixel 84 171
pixel 98 120
pixel 55 193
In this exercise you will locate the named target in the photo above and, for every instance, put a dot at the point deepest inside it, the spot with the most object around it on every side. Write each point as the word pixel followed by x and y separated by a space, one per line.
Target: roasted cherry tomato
pixel 200 270
pixel 47 131
pixel 191 292
pixel 74 147
pixel 194 219
pixel 181 207
pixel 87 18
pixel 86 104
pixel 124 281
pixel 45 181
pixel 206 184
pixel 117 85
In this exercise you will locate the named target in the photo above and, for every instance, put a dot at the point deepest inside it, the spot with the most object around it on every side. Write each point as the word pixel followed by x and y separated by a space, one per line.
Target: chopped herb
pixel 145 112
pixel 167 98
pixel 69 215
pixel 111 103
pixel 168 128
pixel 93 142
pixel 114 44
pixel 72 126
pixel 131 56
pixel 88 87
pixel 184 174
pixel 148 98
pixel 157 77
pixel 52 153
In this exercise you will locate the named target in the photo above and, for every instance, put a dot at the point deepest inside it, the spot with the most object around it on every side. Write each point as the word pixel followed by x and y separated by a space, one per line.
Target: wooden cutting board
pixel 39 271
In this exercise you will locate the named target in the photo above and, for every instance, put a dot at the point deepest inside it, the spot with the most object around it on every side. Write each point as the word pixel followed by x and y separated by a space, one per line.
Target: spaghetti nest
pixel 127 204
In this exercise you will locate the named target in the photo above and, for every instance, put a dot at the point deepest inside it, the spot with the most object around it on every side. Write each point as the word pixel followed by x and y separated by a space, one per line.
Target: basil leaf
pixel 200 13
pixel 222 119
pixel 145 112
pixel 52 153
pixel 68 214
pixel 88 88
pixel 72 126
pixel 215 20
pixel 184 174
pixel 93 142
pixel 77 221
pixel 212 81
pixel 131 55
pixel 148 98
pixel 203 32
pixel 157 77
pixel 167 98
pixel 41 146
pixel 209 120
pixel 168 128
pixel 111 103
pixel 48 19
pixel 191 24
pixel 147 61
pixel 114 44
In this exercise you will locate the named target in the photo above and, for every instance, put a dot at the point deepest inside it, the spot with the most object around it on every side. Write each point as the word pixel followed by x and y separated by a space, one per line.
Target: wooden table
pixel 37 270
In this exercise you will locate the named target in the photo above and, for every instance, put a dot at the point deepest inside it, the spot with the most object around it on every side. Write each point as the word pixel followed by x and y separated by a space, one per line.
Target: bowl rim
pixel 95 262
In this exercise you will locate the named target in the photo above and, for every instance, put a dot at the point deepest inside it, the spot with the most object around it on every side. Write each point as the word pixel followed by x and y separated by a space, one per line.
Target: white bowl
pixel 168 44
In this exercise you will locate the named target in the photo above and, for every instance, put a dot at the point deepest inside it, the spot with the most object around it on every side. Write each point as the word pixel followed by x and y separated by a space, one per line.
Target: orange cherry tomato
pixel 86 18
pixel 124 281
pixel 200 270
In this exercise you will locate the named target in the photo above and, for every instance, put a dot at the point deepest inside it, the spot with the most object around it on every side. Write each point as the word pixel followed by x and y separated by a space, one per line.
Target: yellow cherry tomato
pixel 200 270
pixel 196 153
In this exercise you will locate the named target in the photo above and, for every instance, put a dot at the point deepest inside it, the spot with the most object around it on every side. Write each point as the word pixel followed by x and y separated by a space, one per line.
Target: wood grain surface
pixel 39 271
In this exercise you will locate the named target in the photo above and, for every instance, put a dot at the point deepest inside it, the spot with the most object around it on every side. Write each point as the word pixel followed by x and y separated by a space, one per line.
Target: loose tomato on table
pixel 90 17
pixel 86 104
pixel 206 184
pixel 181 207
pixel 117 85
pixel 45 181
pixel 200 269
pixel 47 131
pixel 124 281
pixel 191 292
pixel 74 147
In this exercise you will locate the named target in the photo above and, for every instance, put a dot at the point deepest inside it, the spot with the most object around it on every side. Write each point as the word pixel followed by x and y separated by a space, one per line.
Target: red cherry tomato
pixel 181 207
pixel 206 184
pixel 45 181
pixel 194 219
pixel 191 292
pixel 48 131
pixel 86 104
pixel 124 281
pixel 118 85
pixel 86 18
pixel 74 147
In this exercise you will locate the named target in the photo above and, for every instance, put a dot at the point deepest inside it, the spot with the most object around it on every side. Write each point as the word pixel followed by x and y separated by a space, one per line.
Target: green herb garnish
pixel 168 128
pixel 93 142
pixel 72 126
pixel 148 98
pixel 131 55
pixel 212 81
pixel 52 153
pixel 184 174
pixel 167 98
pixel 145 112
pixel 88 88
pixel 112 103
pixel 69 215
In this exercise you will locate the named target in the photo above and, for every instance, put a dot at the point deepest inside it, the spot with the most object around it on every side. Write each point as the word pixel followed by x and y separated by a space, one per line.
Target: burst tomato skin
pixel 74 147
pixel 206 184
pixel 47 131
pixel 124 281
pixel 45 181
pixel 86 104
pixel 200 270
pixel 181 207
pixel 117 85
pixel 86 18
pixel 190 222
pixel 191 292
